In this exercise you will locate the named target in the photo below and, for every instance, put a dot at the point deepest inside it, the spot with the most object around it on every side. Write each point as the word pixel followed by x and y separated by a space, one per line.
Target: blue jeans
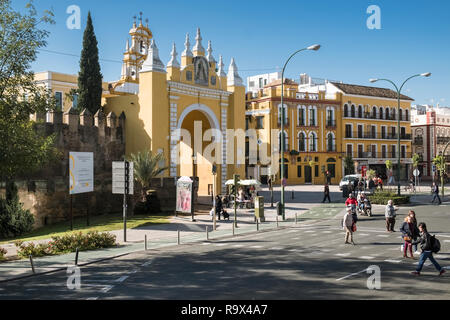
pixel 423 257
pixel 434 197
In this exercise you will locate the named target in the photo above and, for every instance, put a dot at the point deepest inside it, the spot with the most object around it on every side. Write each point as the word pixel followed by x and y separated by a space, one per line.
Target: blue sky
pixel 260 35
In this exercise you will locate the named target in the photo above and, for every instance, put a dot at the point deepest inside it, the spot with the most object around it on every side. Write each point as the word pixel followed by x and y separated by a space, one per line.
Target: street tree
pixel 89 76
pixel 439 162
pixel 349 165
pixel 22 149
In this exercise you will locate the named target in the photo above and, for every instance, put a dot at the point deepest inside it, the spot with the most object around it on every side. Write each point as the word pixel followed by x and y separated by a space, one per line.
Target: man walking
pixel 435 190
pixel 347 225
pixel 326 194
pixel 390 215
pixel 427 253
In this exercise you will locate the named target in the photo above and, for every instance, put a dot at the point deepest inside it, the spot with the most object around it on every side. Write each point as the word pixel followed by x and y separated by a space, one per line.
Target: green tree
pixel 439 162
pixel 146 167
pixel 415 160
pixel 349 165
pixel 22 149
pixel 89 77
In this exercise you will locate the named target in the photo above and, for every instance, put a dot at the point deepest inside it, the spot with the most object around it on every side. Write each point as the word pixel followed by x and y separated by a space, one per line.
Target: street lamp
pixel 314 48
pixel 427 74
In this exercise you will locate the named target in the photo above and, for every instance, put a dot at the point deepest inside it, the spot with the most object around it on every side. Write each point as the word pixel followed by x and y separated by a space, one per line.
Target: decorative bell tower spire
pixel 233 78
pixel 198 48
pixel 210 57
pixel 173 60
pixel 187 47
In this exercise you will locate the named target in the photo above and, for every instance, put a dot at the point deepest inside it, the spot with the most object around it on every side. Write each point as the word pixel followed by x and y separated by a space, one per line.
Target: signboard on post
pixel 119 179
pixel 184 195
pixel 81 172
pixel 416 173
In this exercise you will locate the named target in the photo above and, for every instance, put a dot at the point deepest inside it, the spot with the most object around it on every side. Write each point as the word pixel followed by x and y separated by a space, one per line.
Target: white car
pixel 351 177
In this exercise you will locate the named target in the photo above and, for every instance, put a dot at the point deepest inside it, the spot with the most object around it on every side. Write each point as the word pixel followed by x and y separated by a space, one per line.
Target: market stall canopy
pixel 251 182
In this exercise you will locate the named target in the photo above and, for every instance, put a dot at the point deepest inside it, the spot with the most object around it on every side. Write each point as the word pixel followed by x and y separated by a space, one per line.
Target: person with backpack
pixel 348 225
pixel 429 245
pixel 409 232
pixel 435 191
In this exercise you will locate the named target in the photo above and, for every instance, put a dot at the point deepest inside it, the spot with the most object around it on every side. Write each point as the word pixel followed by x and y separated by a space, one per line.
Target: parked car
pixel 350 177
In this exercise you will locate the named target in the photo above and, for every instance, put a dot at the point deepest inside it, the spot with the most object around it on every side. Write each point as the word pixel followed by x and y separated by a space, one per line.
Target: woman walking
pixel 410 233
pixel 348 225
pixel 412 214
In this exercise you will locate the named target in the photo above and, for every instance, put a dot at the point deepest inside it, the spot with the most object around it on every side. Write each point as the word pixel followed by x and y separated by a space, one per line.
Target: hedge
pixel 382 197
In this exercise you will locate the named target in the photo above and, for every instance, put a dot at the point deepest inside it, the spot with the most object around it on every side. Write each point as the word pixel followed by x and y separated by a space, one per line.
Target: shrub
pixel 88 241
pixel 3 252
pixel 25 250
pixel 382 197
pixel 14 220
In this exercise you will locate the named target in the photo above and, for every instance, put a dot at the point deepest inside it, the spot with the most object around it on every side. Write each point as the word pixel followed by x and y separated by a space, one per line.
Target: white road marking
pixel 205 243
pixel 92 298
pixel 310 231
pixel 382 235
pixel 446 240
pixel 290 231
pixel 350 275
pixel 393 261
pixel 295 238
pixel 220 244
pixel 122 279
pixel 146 263
pixel 327 231
pixel 276 248
pixel 342 254
pixel 238 246
pixel 134 271
pixel 106 289
pixel 256 247
pixel 363 234
pixel 367 257
pixel 295 250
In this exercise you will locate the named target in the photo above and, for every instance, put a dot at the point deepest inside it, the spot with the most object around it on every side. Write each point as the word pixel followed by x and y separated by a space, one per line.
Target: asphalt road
pixel 307 261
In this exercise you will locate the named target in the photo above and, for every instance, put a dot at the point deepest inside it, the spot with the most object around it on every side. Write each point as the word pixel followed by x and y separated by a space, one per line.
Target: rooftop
pixel 369 91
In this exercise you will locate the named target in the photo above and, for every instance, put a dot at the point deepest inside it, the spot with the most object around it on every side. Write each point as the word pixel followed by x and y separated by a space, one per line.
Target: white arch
pixel 206 111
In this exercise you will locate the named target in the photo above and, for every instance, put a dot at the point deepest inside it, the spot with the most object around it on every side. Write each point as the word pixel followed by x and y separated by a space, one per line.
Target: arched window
pixel 381 113
pixel 374 112
pixel 301 142
pixel 345 110
pixel 312 116
pixel 360 111
pixel 330 142
pixel 353 111
pixel 393 114
pixel 312 142
pixel 400 114
pixel 406 115
pixel 301 114
pixel 285 113
pixel 387 114
pixel 286 141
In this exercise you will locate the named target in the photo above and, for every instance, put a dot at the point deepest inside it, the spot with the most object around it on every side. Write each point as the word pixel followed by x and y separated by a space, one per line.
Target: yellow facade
pixel 186 95
pixel 311 127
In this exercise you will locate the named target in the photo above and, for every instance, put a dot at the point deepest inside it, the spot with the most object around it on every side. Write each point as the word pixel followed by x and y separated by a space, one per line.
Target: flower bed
pixel 68 243
pixel 382 197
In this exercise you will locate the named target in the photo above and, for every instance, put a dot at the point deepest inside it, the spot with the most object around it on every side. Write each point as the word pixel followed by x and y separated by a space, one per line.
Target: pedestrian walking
pixel 326 194
pixel 390 215
pixel 410 233
pixel 412 215
pixel 328 175
pixel 348 225
pixel 219 206
pixel 427 251
pixel 435 191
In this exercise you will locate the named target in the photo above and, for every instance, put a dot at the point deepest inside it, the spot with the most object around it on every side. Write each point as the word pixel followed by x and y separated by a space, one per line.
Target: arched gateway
pixel 194 95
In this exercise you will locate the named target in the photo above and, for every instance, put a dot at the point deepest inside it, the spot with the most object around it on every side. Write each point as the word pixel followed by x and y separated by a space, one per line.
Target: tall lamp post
pixel 315 48
pixel 427 74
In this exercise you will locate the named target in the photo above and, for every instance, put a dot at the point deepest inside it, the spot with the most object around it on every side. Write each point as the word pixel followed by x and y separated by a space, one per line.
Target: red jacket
pixel 351 201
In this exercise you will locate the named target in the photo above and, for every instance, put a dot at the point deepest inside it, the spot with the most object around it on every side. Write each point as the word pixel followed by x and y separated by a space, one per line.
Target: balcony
pixel 375 116
pixel 379 136
pixel 330 123
pixel 379 155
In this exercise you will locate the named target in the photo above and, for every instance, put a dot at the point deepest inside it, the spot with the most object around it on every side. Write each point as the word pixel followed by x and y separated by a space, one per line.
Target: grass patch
pixel 100 223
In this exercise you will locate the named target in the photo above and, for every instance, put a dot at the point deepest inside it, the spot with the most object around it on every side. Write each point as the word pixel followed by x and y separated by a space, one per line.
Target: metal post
pixel 235 178
pixel 76 257
pixel 125 201
pixel 145 240
pixel 71 212
pixel 178 233
pixel 398 143
pixel 257 224
pixel 277 219
pixel 292 194
pixel 214 202
pixel 296 218
pixel 233 228
pixel 207 235
pixel 32 264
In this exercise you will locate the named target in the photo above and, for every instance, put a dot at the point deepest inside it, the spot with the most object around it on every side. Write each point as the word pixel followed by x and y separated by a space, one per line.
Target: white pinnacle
pixel 198 42
pixel 233 78
pixel 221 71
pixel 173 60
pixel 187 47
pixel 210 57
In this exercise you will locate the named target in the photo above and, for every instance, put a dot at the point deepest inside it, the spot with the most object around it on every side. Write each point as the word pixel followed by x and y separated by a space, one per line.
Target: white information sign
pixel 118 177
pixel 81 172
pixel 416 173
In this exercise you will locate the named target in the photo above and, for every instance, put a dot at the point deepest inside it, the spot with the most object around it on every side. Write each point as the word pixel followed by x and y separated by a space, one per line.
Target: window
pixel 403 151
pixel 383 151
pixel 301 116
pixel 345 110
pixel 387 113
pixel 331 167
pixel 381 113
pixel 312 116
pixel 58 98
pixel 316 170
pixel 286 140
pixel 251 84
pixel 393 151
pixel 301 142
pixel 400 114
pixel 383 132
pixel 350 150
pixel 188 75
pixel 75 100
pixel 374 112
pixel 374 132
pixel 261 85
pixel 353 111
pixel 312 142
pixel 348 130
pixel 280 110
pixel 360 131
pixel 330 142
pixel 299 171
pixel 360 113
pixel 260 122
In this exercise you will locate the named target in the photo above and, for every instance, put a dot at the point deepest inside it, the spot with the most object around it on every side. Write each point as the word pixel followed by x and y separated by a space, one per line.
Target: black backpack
pixel 435 244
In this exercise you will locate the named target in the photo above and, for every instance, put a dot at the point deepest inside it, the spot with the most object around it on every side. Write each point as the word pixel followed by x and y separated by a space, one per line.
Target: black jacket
pixel 406 230
pixel 424 241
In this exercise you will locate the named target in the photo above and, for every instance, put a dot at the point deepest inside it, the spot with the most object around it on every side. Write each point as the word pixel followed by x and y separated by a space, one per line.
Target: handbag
pixel 354 227
pixel 407 238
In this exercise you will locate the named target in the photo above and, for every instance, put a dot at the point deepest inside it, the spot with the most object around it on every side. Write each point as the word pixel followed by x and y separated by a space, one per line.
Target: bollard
pixel 178 237
pixel 76 257
pixel 233 228
pixel 292 194
pixel 207 235
pixel 32 264
pixel 277 220
pixel 296 218
pixel 257 225
pixel 145 241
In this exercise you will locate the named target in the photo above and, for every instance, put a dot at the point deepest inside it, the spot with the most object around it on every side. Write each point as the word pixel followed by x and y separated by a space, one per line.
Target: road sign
pixel 119 181
pixel 81 172
pixel 416 172
pixel 433 168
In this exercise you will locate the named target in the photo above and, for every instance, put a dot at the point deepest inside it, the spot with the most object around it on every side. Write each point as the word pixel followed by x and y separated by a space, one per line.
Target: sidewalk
pixel 164 235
